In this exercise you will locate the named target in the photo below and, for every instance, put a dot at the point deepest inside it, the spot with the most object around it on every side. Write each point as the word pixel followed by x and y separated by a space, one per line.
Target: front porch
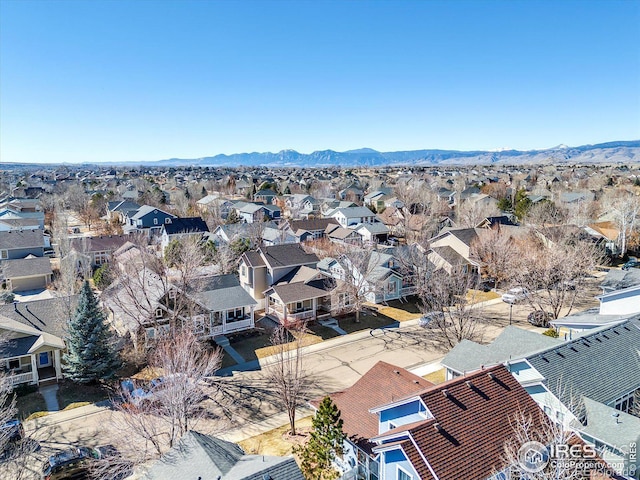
pixel 34 368
pixel 221 323
pixel 302 310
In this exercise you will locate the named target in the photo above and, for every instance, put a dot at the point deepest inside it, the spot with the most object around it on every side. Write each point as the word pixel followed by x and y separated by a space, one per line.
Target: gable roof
pixel 186 225
pixel 221 292
pixel 50 315
pixel 15 239
pixel 353 212
pixel 465 438
pixel 381 384
pixel 203 456
pixel 99 244
pixel 146 210
pixel 287 255
pixel 513 342
pixel 602 365
pixel 26 267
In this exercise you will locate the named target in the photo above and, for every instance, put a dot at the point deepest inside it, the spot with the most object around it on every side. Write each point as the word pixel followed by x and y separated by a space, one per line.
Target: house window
pixel 391 287
pixel 172 294
pixel 198 325
pixel 243 270
pixel 4 254
pixel 403 475
pixel 159 313
pixel 151 333
pixel 547 410
pixel 560 416
pixel 155 221
pixel 235 314
pixel 167 220
pixel 14 364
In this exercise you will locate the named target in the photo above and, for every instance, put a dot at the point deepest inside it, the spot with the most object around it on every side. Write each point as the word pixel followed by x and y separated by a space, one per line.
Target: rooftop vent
pixel 574 349
pixel 605 336
pixel 599 340
pixel 437 427
pixel 445 392
pixel 397 372
pixel 469 384
pixel 491 376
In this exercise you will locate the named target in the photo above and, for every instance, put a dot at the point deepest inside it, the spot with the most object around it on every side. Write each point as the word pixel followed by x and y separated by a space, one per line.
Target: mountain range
pixel 611 152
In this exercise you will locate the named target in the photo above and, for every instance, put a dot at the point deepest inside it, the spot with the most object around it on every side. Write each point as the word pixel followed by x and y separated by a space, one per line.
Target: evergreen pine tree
pixel 91 354
pixel 325 442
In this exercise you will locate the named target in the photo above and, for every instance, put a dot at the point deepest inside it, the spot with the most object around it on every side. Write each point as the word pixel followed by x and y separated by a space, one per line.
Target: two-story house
pixel 264 267
pixel 182 228
pixel 456 430
pixel 350 217
pixel 147 219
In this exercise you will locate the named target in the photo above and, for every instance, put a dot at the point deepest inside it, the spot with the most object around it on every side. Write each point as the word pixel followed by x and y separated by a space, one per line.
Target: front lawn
pixel 29 403
pixel 69 393
pixel 277 442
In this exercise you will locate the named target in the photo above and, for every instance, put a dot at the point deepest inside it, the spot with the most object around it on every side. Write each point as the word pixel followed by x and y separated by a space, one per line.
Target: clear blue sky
pixel 146 80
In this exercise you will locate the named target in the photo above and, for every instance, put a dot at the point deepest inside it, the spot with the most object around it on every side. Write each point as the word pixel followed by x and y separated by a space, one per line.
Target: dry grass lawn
pixel 436 377
pixel 396 313
pixel 272 350
pixel 477 296
pixel 278 441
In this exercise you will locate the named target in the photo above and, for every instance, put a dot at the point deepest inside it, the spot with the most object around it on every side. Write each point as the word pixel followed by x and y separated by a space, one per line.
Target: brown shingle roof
pixel 383 383
pixel 474 420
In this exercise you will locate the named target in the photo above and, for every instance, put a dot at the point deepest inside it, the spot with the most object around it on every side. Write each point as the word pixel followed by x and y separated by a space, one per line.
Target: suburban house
pixel 10 212
pixel 266 196
pixel 30 273
pixel 182 228
pixel 338 234
pixel 16 244
pixel 454 430
pixel 35 331
pixel 312 229
pixel 97 250
pixel 215 204
pixel 378 275
pixel 353 216
pixel 303 294
pixel 376 198
pixel 256 213
pixel 352 193
pixel 301 206
pixel 264 267
pixel 198 456
pixel 381 384
pixel 146 218
pixel 373 233
pixel 561 377
pixel 451 249
pixel 116 211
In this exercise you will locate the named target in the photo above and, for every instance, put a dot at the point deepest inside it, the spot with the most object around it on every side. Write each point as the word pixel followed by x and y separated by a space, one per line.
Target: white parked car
pixel 515 295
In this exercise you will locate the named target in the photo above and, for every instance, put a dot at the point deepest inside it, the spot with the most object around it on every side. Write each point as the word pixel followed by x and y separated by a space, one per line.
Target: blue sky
pixel 146 80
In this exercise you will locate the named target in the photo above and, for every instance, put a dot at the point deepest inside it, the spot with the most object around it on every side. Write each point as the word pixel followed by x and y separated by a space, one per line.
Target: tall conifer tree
pixel 91 355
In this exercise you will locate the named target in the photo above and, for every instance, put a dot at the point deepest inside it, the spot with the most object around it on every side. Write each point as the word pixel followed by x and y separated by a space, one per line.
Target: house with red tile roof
pixel 382 384
pixel 455 430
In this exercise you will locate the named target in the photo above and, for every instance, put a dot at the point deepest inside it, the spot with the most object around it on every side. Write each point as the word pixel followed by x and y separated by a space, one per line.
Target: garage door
pixel 28 283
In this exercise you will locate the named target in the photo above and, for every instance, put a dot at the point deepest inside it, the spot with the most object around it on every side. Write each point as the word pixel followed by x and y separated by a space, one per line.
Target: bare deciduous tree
pixel 174 405
pixel 287 374
pixel 624 209
pixel 497 250
pixel 451 304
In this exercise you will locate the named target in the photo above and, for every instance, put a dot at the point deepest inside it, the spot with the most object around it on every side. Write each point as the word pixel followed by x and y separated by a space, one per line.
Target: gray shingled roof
pixel 602 365
pixel 26 267
pixel 619 279
pixel 449 255
pixel 513 342
pixel 186 225
pixel 287 255
pixel 50 315
pixel 622 429
pixel 202 456
pixel 222 292
pixel 103 243
pixel 21 239
pixel 18 347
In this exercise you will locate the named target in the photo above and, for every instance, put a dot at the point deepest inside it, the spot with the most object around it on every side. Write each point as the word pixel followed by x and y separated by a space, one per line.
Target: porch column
pixel 56 364
pixel 284 313
pixel 34 368
pixel 314 307
pixel 252 308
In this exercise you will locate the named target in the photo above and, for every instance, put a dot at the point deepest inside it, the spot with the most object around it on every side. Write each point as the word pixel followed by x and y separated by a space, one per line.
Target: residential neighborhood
pixel 264 281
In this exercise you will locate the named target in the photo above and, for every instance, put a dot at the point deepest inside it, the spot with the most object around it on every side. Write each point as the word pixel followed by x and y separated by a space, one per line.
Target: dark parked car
pixel 539 318
pixel 431 319
pixel 74 463
pixel 632 263
pixel 12 430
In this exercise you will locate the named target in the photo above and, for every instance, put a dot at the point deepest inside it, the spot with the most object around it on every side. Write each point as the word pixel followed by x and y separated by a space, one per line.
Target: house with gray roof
pixel 21 275
pixel 146 218
pixel 197 456
pixel 35 331
pixel 264 267
pixel 16 244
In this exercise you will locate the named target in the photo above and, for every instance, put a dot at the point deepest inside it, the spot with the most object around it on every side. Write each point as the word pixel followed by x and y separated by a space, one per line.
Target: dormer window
pixel 167 220
pixel 155 221
pixel 159 312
